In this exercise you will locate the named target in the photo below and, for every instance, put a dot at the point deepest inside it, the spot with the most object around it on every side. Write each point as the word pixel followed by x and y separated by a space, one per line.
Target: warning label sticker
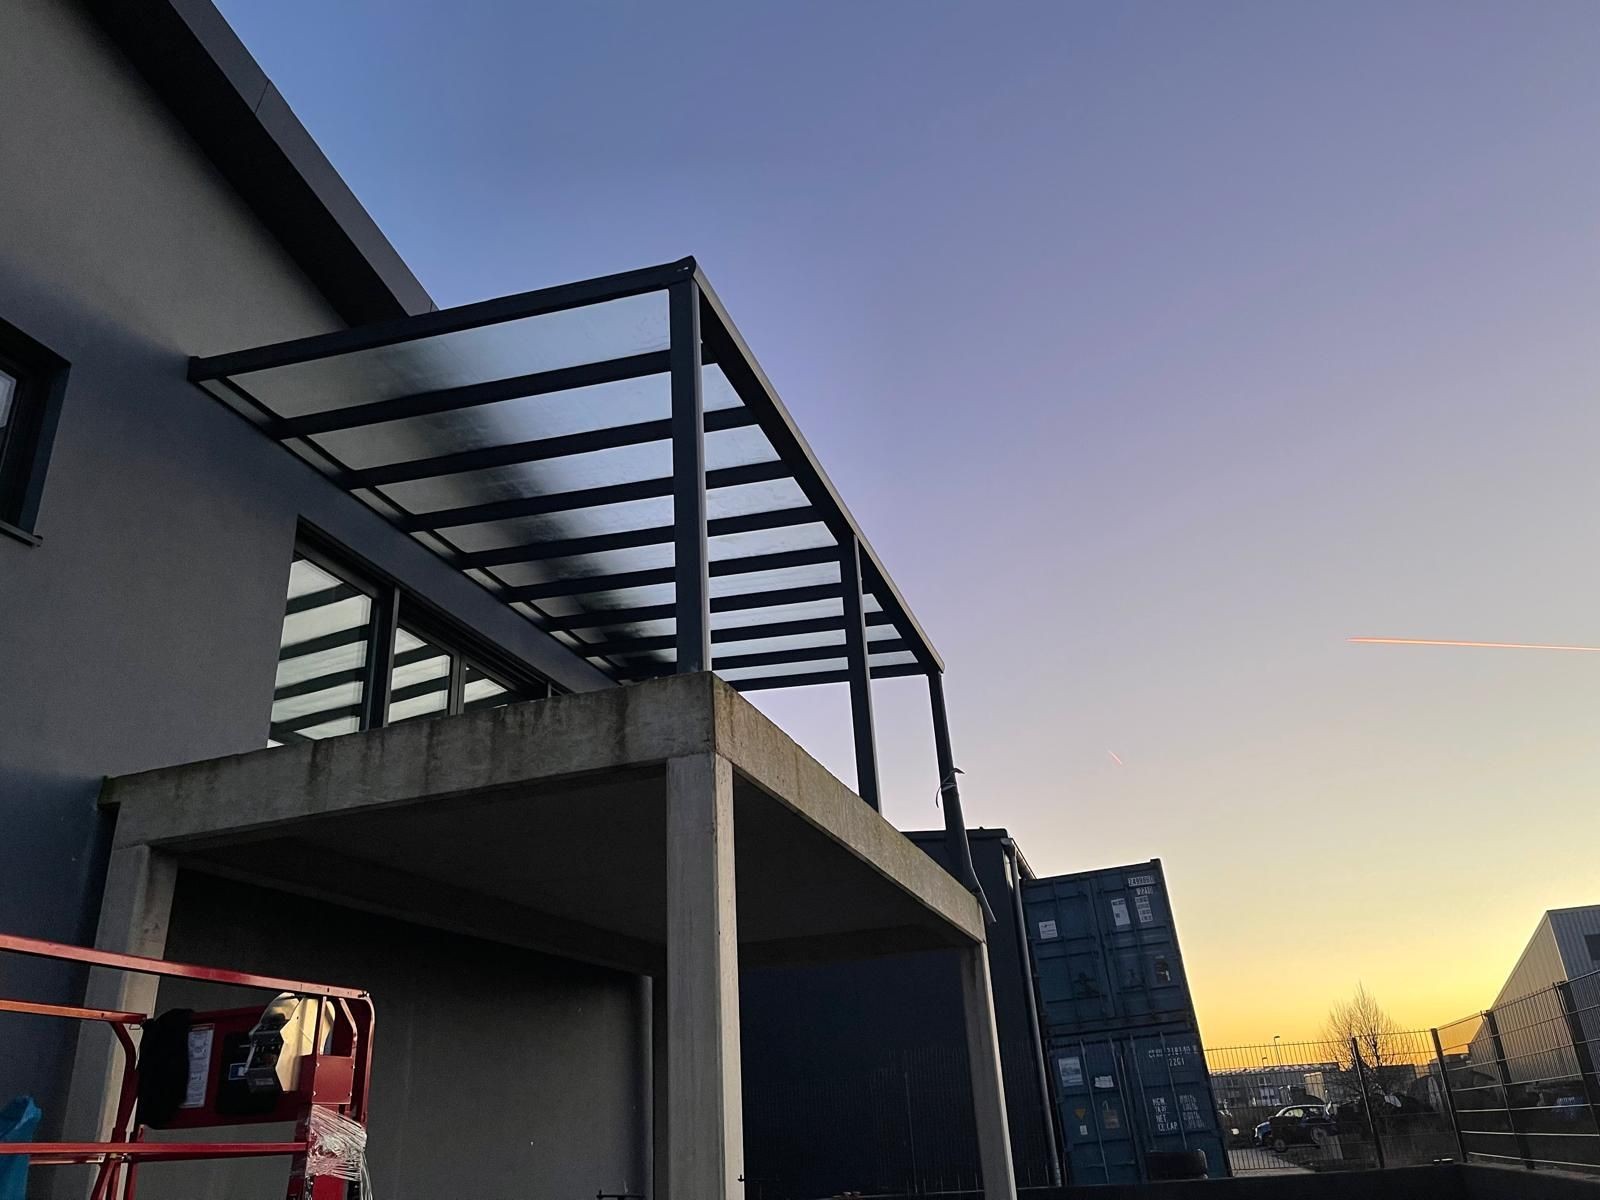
pixel 1119 913
pixel 1047 930
pixel 1071 1072
pixel 200 1039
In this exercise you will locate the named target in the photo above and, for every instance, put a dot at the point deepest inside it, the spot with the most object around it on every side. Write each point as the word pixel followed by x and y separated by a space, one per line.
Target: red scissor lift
pixel 325 1096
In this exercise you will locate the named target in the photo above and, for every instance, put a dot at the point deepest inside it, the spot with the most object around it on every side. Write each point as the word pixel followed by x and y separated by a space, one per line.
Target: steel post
pixel 955 824
pixel 691 556
pixel 1366 1101
pixel 1504 1070
pixel 860 672
pixel 1582 1051
pixel 1449 1098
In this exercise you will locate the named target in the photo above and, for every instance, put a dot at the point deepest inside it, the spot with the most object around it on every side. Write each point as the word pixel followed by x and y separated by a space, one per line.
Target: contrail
pixel 1378 641
pixel 1114 757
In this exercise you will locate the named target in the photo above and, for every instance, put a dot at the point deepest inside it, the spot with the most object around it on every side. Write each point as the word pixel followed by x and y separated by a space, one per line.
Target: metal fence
pixel 1513 1085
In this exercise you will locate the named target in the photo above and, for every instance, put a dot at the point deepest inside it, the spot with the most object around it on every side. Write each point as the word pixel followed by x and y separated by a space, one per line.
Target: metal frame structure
pixel 610 460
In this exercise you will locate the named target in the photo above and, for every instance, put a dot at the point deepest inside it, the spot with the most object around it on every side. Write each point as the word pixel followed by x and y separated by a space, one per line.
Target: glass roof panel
pixel 569 338
pixel 525 419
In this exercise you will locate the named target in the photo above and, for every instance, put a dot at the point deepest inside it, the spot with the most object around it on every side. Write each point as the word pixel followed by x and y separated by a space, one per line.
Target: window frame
pixel 25 445
pixel 394 607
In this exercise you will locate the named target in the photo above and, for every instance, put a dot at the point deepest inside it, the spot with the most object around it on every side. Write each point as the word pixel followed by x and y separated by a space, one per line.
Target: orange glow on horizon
pixel 1381 641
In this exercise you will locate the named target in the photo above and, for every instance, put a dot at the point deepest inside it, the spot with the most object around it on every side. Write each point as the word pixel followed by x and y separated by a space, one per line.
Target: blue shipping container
pixel 1123 1096
pixel 1105 950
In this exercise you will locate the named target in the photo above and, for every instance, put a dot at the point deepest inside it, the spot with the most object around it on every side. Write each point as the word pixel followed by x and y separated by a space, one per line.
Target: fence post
pixel 1449 1099
pixel 1505 1086
pixel 1581 1051
pixel 1366 1101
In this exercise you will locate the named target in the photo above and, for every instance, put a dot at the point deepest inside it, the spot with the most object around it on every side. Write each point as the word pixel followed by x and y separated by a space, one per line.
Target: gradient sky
pixel 1158 348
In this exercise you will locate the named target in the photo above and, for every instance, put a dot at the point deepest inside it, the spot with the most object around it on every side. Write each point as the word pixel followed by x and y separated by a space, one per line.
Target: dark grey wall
pixel 143 631
pixel 497 1072
pixel 855 1073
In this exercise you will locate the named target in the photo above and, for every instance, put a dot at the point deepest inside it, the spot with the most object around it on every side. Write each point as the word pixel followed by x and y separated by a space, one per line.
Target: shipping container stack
pixel 1127 1069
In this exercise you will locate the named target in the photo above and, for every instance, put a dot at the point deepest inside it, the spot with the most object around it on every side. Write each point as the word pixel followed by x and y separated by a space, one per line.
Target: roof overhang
pixel 529 441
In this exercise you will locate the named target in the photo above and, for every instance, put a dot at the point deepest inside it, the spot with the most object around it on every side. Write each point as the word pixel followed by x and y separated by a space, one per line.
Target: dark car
pixel 1296 1125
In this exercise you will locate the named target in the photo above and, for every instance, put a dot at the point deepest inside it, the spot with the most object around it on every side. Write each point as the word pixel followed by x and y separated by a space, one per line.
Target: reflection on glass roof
pixel 528 441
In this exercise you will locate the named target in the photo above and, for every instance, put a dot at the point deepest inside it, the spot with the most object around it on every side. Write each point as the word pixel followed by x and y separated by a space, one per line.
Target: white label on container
pixel 1071 1072
pixel 200 1039
pixel 1047 930
pixel 1104 1081
pixel 1119 913
pixel 1141 880
pixel 1141 905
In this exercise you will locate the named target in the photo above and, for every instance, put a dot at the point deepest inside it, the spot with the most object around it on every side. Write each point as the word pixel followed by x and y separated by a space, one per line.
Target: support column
pixel 705 1097
pixel 956 845
pixel 691 557
pixel 135 910
pixel 988 1085
pixel 860 672
pixel 660 1104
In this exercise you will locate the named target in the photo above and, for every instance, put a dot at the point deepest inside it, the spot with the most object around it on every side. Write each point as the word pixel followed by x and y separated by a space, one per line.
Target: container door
pixel 1173 1087
pixel 1096 1123
pixel 1069 958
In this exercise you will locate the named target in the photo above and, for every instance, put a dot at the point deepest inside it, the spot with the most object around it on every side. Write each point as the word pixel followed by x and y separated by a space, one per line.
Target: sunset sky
pixel 1160 349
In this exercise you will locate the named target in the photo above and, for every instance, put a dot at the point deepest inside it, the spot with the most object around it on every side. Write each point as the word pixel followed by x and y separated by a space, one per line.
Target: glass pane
pixel 548 342
pixel 8 391
pixel 482 691
pixel 322 656
pixel 419 683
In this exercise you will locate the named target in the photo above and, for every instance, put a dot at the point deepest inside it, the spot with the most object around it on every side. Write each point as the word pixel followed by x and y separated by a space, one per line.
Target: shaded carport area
pixel 666 829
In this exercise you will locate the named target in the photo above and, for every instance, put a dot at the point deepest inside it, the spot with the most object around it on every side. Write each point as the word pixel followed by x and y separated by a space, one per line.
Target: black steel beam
pixel 657 535
pixel 774 658
pixel 691 556
pixel 723 567
pixel 448 320
pixel 733 633
pixel 595 497
pixel 538 450
pixel 860 675
pixel 453 399
pixel 769 682
pixel 327 641
pixel 610 618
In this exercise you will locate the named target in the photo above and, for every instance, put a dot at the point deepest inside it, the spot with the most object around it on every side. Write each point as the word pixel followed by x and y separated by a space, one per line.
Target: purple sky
pixel 1158 348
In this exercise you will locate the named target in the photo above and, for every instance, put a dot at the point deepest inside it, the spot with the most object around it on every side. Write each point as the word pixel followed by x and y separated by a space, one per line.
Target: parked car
pixel 1296 1125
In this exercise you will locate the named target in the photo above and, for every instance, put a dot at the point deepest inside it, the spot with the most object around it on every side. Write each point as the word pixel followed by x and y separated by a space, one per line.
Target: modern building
pixel 346 638
pixel 1565 945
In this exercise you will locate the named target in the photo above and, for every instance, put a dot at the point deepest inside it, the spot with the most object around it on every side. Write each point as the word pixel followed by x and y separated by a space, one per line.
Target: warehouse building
pixel 348 638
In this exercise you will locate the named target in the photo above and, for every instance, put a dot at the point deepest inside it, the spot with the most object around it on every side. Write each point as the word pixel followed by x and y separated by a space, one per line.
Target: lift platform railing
pixel 242 1069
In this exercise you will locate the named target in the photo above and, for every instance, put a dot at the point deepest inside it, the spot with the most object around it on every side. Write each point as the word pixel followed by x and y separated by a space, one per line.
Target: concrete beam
pixel 497 749
pixel 988 1084
pixel 705 1135
pixel 774 762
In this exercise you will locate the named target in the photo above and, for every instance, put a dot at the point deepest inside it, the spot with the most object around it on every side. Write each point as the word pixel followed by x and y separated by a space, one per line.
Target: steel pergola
pixel 608 458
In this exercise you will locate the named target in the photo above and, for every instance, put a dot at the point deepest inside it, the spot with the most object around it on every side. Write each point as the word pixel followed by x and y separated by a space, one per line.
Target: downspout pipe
pixel 1041 1069
pixel 955 825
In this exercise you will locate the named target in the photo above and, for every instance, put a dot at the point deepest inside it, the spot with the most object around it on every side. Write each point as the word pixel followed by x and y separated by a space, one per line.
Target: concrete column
pixel 705 1134
pixel 134 913
pixel 988 1085
pixel 660 1104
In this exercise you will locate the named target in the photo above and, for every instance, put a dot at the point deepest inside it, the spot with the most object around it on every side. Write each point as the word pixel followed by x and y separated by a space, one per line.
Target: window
pixel 357 653
pixel 32 381
pixel 1591 941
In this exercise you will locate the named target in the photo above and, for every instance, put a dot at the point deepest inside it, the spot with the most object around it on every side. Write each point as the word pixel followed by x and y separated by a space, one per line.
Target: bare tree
pixel 1360 1026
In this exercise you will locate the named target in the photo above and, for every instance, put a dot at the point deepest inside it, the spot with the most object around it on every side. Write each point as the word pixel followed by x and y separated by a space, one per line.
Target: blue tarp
pixel 18 1121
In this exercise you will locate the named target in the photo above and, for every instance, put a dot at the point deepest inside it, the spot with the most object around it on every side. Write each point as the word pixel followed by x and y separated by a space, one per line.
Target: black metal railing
pixel 1513 1085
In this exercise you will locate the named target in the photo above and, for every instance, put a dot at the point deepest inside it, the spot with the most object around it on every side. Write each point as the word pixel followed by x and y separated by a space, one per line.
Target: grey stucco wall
pixel 498 1073
pixel 143 631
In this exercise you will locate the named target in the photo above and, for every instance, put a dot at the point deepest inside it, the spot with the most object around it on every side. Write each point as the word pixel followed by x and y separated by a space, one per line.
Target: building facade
pixel 182 586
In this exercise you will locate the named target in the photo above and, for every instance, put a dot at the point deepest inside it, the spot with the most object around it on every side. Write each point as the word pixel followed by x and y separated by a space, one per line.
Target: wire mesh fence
pixel 1514 1085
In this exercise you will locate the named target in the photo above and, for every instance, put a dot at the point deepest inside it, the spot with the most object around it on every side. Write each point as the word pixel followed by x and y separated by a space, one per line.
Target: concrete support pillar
pixel 134 913
pixel 988 1086
pixel 705 1132
pixel 660 1103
